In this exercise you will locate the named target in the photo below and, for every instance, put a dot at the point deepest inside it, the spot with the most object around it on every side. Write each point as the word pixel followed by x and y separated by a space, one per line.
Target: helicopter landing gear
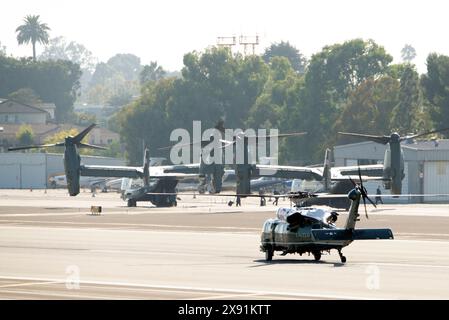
pixel 342 257
pixel 269 253
pixel 317 255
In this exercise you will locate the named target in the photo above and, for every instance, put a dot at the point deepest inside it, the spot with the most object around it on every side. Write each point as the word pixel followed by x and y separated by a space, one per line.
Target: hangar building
pixel 426 166
pixel 31 170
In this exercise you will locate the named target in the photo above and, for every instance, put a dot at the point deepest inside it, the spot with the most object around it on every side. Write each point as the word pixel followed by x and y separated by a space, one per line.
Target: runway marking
pixel 211 290
pixel 137 291
pixel 131 225
pixel 44 293
pixel 41 214
pixel 422 234
pixel 387 264
pixel 140 289
pixel 7 226
pixel 118 224
pixel 227 296
pixel 28 284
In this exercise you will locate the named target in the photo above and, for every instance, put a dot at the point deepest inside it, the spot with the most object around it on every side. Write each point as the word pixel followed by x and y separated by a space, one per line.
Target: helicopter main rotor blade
pixel 423 134
pixel 182 145
pixel 378 139
pixel 371 201
pixel 282 135
pixel 224 144
pixel 60 144
pixel 80 136
pixel 353 183
pixel 90 146
pixel 238 136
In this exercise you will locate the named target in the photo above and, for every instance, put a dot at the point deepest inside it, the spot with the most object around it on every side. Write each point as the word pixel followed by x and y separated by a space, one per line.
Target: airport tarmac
pixel 52 248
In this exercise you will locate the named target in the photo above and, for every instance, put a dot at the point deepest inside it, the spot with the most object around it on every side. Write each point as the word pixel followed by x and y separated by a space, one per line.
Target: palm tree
pixel 34 31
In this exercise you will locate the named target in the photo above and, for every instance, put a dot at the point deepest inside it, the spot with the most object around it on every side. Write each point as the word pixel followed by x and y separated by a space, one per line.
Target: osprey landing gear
pixel 342 257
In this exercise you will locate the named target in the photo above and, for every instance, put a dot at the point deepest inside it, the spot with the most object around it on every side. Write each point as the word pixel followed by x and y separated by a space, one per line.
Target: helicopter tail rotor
pixel 364 193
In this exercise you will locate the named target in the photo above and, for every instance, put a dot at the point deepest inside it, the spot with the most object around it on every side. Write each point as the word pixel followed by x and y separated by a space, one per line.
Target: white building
pixel 426 166
pixel 32 170
pixel 14 112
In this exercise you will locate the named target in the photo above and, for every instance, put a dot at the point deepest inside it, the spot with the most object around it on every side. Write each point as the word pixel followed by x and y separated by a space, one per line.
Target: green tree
pixel 115 81
pixel 2 49
pixel 53 81
pixel 102 73
pixel 32 31
pixel 368 108
pixel 408 53
pixel 397 70
pixel 285 49
pixel 98 94
pixel 120 98
pixel 114 150
pixel 215 84
pixel 331 75
pixel 127 64
pixel 25 95
pixel 435 84
pixel 146 121
pixel 151 72
pixel 405 112
pixel 60 136
pixel 59 48
pixel 269 107
pixel 25 135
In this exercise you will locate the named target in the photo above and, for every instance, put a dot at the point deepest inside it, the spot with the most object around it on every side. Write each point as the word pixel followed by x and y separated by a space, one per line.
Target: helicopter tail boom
pixel 358 234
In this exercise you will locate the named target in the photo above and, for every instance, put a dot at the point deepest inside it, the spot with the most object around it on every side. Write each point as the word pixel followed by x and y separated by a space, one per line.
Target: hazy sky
pixel 165 30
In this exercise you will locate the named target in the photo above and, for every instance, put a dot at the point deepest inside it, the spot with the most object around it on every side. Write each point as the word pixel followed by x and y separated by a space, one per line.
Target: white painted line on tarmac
pixel 408 265
pixel 59 295
pixel 206 289
pixel 118 224
pixel 228 296
pixel 34 283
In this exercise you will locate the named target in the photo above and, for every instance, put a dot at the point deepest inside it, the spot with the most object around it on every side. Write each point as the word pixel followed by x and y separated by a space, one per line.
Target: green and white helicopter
pixel 312 230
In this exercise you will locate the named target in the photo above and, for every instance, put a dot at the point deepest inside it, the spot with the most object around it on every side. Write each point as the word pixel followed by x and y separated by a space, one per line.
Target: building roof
pixel 11 106
pixel 434 144
pixel 420 150
pixel 46 106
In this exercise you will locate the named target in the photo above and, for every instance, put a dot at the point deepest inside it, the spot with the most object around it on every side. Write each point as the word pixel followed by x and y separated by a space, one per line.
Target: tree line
pixel 352 86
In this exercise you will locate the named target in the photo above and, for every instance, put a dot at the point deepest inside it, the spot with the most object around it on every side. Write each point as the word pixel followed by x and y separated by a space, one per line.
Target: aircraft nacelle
pixel 243 173
pixel 215 171
pixel 72 170
pixel 393 171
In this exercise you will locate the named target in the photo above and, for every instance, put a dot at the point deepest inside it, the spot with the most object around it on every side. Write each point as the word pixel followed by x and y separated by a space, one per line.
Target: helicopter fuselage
pixel 312 230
